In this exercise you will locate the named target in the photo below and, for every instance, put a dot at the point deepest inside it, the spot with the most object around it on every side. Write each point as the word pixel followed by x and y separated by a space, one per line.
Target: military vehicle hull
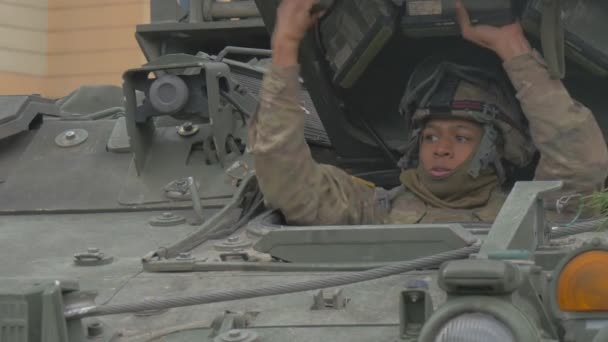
pixel 141 219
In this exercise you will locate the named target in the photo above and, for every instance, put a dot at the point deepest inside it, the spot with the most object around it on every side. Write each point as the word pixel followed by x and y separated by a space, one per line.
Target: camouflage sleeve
pixel 565 132
pixel 306 192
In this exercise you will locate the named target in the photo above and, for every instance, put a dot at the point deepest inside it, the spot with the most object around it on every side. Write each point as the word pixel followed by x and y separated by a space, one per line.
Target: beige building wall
pixel 23 45
pixel 53 46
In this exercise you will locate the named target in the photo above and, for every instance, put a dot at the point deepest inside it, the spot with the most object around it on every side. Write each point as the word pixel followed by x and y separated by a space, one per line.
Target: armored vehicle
pixel 145 221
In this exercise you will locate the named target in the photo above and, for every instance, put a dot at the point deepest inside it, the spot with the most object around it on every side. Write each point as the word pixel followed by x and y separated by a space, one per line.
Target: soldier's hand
pixel 294 18
pixel 507 42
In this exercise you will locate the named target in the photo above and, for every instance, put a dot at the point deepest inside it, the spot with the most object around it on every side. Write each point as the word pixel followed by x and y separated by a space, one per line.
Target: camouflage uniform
pixel 564 131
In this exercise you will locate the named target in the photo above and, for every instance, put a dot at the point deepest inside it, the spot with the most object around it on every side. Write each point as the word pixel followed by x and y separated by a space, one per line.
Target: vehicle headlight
pixel 480 318
pixel 474 327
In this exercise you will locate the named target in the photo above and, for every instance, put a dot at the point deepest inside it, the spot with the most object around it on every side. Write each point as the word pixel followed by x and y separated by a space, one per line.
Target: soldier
pixel 458 151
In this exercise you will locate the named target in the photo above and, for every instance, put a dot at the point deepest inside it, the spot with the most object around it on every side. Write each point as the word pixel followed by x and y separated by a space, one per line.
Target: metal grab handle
pixel 237 50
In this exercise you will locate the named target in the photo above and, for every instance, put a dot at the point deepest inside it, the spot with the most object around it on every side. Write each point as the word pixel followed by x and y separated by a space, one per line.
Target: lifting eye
pixel 582 285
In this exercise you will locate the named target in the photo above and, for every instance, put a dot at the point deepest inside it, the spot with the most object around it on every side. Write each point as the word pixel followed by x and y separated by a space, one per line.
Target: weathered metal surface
pixel 372 304
pixel 48 177
pixel 362 243
pixel 119 139
pixel 521 223
pixel 160 38
pixel 156 254
pixel 18 112
pixel 11 150
pixel 172 157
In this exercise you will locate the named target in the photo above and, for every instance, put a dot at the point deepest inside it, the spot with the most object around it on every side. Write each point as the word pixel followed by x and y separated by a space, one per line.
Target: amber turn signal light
pixel 582 285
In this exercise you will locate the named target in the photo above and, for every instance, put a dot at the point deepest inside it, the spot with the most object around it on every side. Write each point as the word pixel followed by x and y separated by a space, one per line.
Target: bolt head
pixel 187 126
pixel 93 250
pixel 234 333
pixel 95 329
pixel 187 129
pixel 232 239
pixel 167 214
pixel 70 135
pixel 184 255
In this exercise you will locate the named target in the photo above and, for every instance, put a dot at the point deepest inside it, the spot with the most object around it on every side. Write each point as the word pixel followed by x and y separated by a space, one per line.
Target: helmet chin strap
pixel 487 154
pixel 409 157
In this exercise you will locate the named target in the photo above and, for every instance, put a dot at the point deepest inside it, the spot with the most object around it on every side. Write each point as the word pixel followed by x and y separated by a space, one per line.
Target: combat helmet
pixel 442 89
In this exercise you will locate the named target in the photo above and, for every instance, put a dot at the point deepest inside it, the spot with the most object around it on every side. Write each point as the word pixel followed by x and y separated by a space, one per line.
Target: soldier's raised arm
pixel 305 191
pixel 569 140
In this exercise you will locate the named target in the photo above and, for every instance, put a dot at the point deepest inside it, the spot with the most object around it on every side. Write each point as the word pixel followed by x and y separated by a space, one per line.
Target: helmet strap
pixel 411 151
pixel 487 154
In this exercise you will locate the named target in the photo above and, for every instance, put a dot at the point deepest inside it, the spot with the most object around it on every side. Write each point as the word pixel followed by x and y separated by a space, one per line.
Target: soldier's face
pixel 447 143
